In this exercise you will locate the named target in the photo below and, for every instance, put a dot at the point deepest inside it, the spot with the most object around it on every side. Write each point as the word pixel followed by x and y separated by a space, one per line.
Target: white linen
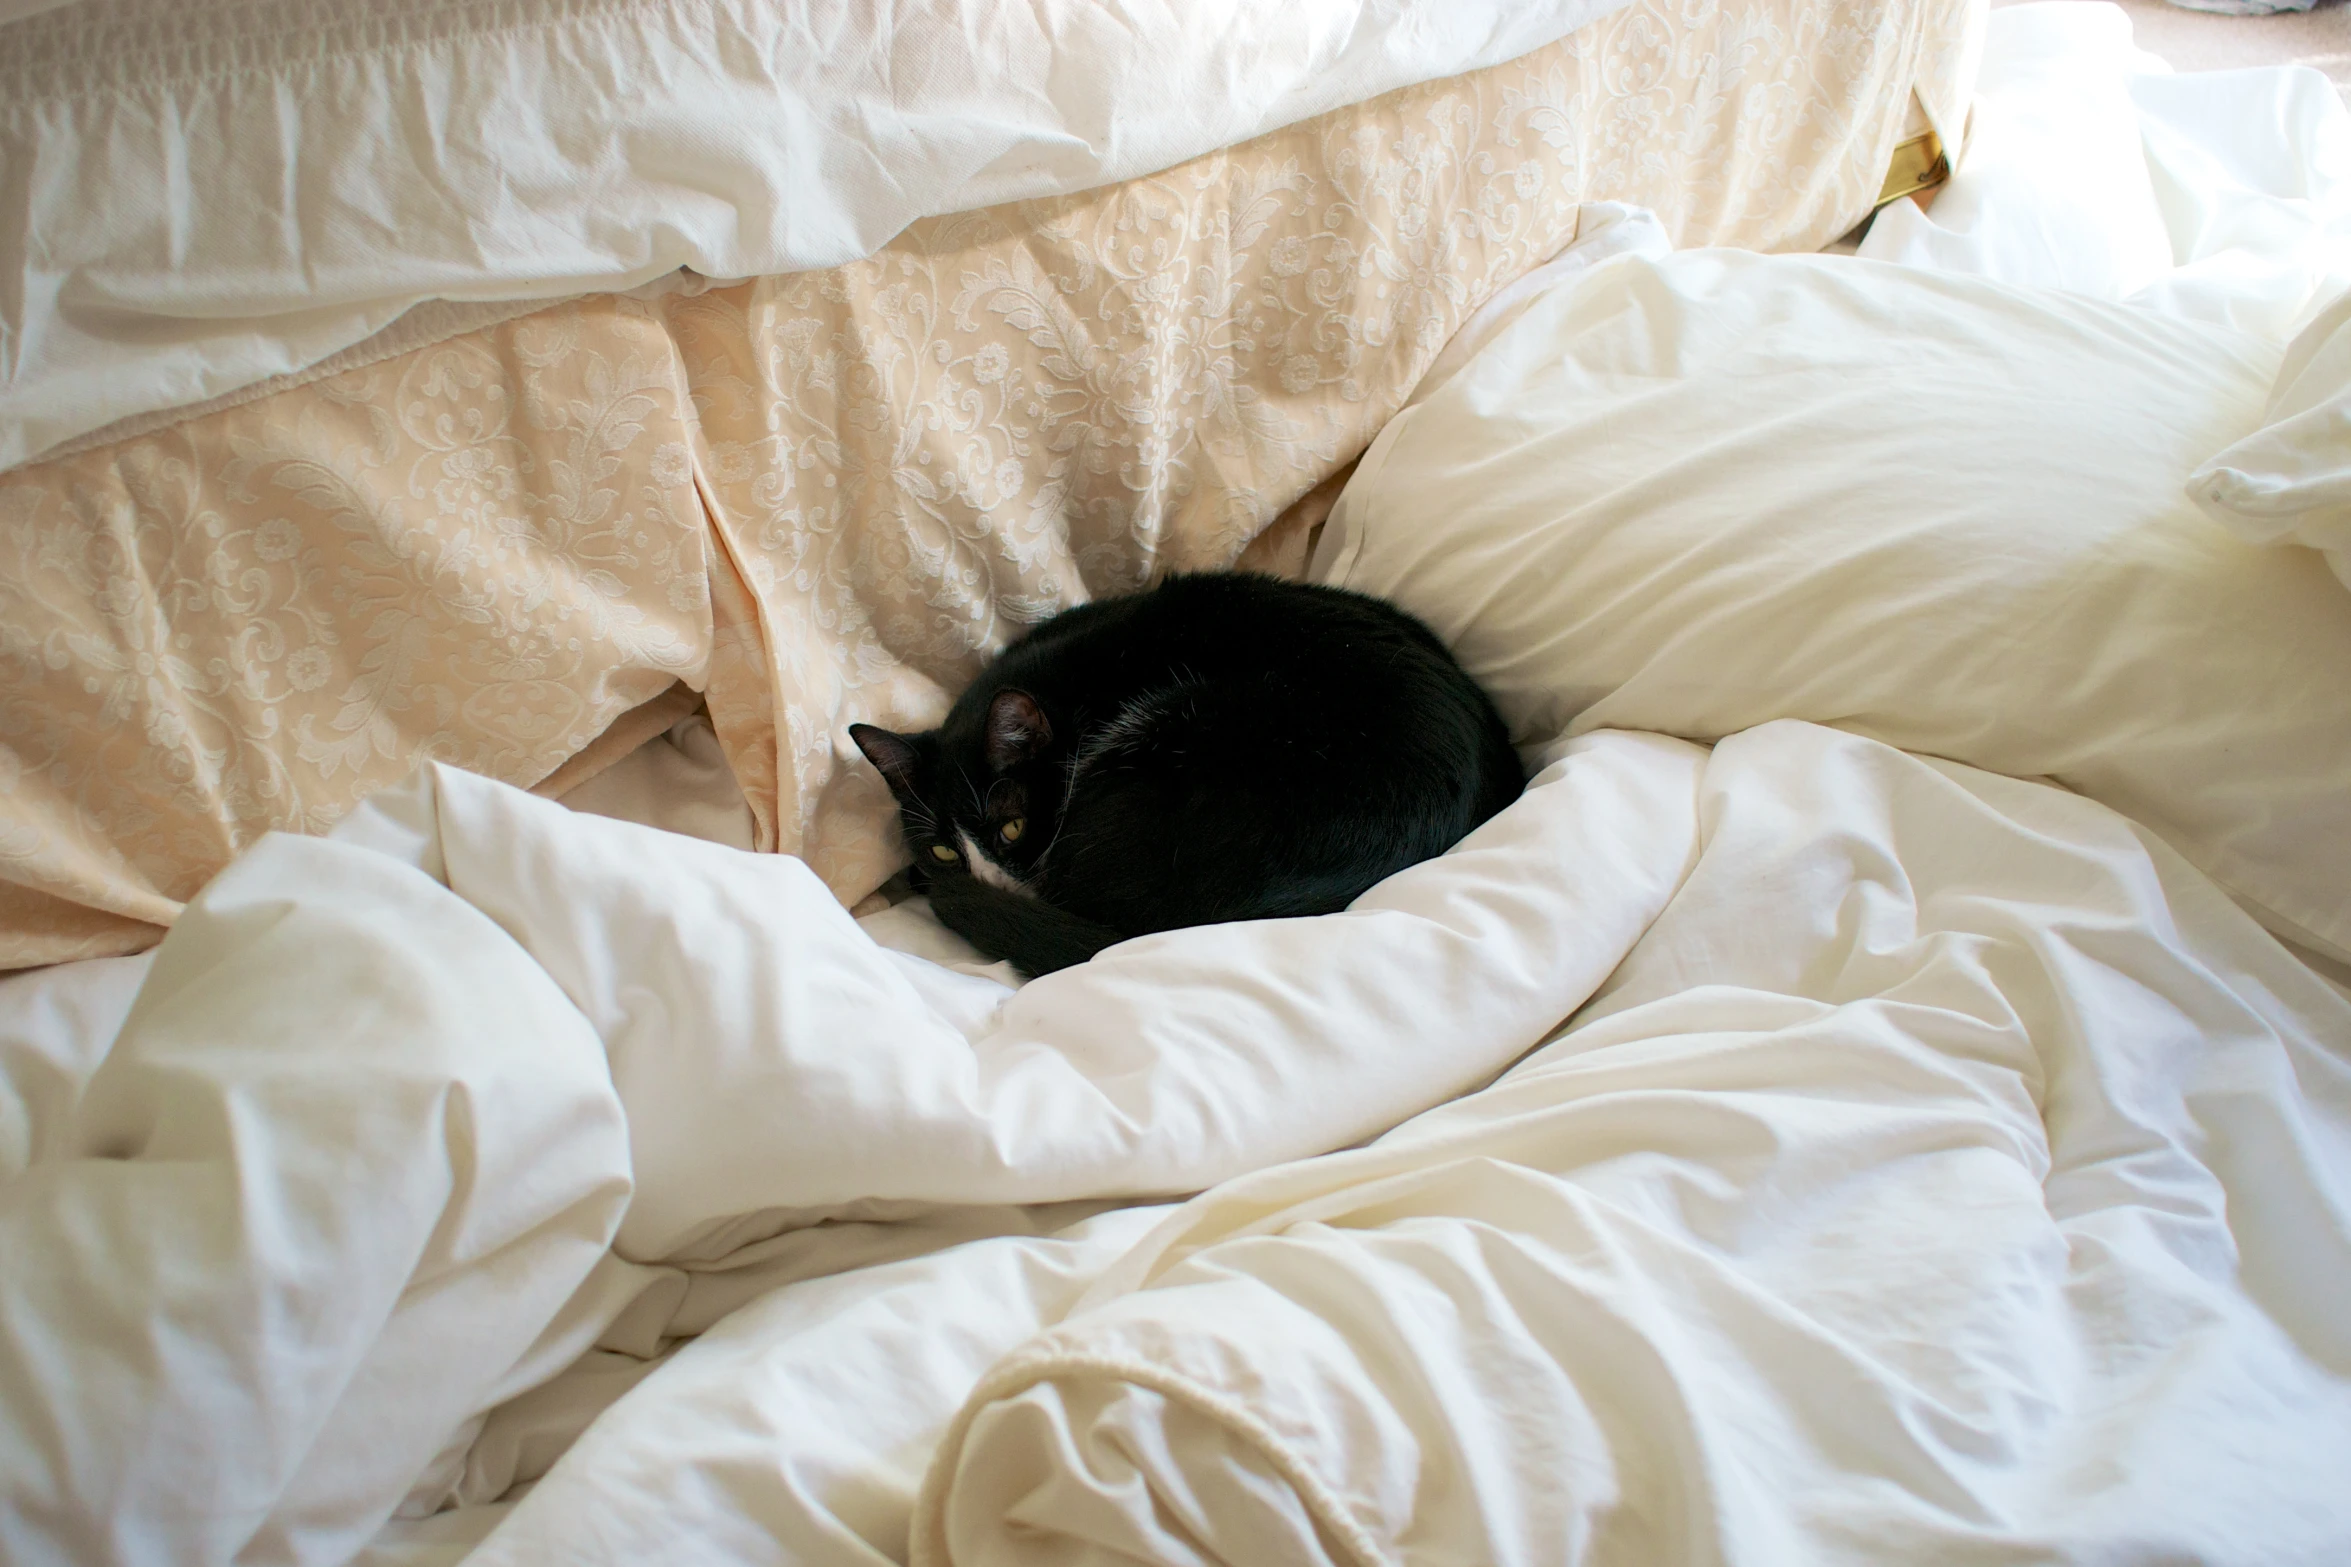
pixel 2253 172
pixel 441 1540
pixel 806 1418
pixel 1165 1064
pixel 2221 196
pixel 197 198
pixel 266 1278
pixel 1604 231
pixel 55 1025
pixel 2051 185
pixel 1769 1248
pixel 2289 482
pixel 1695 493
pixel 1951 1173
pixel 406 1120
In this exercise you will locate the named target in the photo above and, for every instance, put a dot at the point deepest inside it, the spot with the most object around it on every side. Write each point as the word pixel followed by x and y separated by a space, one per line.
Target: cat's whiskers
pixel 1071 768
pixel 922 817
pixel 979 801
pixel 1060 830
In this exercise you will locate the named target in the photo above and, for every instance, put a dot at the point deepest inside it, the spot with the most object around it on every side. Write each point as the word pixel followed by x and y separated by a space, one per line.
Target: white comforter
pixel 1936 1168
pixel 404 1121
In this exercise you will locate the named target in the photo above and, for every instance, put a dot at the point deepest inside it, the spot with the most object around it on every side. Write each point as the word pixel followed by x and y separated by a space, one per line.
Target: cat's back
pixel 1341 649
pixel 1242 747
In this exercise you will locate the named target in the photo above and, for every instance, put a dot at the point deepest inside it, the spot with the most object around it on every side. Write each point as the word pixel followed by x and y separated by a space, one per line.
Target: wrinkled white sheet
pixel 406 1120
pixel 198 197
pixel 1950 1174
pixel 1947 1169
pixel 2220 196
pixel 334 1190
pixel 55 1025
pixel 797 1429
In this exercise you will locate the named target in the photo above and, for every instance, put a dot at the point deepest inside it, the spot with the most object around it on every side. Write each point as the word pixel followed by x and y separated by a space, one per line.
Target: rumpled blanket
pixel 1949 1172
pixel 1929 1164
pixel 406 1120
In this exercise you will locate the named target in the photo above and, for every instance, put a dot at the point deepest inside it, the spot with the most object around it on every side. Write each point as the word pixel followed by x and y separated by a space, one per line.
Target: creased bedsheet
pixel 2221 196
pixel 1930 1166
pixel 1950 1174
pixel 405 1121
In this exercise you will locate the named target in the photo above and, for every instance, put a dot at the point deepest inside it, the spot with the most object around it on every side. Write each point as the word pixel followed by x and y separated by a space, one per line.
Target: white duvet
pixel 404 1121
pixel 1935 1167
pixel 1950 1174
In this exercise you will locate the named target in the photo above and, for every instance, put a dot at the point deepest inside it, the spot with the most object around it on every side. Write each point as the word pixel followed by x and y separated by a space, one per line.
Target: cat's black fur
pixel 1217 748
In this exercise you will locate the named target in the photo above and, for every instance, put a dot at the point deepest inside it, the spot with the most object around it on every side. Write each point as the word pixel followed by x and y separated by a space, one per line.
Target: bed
pixel 813 497
pixel 1883 1093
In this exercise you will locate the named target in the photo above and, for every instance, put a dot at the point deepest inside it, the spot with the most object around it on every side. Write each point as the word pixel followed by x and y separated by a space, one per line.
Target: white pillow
pixel 1699 493
pixel 2289 482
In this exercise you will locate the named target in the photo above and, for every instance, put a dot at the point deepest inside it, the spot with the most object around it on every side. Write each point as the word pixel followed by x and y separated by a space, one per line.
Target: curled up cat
pixel 1216 748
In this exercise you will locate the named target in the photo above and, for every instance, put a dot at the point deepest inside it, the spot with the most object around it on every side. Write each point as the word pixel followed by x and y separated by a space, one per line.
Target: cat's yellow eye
pixel 943 854
pixel 1012 829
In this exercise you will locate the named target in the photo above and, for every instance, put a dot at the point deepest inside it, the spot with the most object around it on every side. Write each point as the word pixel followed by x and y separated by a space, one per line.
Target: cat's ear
pixel 897 757
pixel 1017 730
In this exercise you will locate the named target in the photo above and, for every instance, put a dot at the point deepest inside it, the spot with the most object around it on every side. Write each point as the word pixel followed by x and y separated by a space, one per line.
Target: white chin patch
pixel 988 870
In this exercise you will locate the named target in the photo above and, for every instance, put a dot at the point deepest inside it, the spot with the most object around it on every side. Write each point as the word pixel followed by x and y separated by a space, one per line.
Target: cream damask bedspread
pixel 829 497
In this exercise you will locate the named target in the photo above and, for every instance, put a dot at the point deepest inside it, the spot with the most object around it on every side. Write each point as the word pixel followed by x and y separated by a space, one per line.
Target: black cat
pixel 1217 748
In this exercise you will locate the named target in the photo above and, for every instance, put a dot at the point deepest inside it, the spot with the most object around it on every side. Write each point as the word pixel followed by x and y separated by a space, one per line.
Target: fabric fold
pixel 194 209
pixel 350 1156
pixel 776 1065
pixel 1950 1170
pixel 406 1119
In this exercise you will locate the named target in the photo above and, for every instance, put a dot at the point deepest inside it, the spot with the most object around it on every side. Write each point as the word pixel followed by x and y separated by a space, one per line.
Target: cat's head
pixel 979 794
